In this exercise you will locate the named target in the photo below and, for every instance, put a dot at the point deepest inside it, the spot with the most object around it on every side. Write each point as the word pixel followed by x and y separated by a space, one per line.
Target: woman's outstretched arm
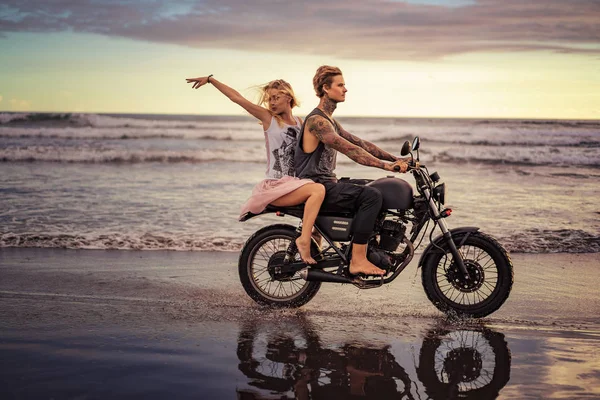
pixel 255 110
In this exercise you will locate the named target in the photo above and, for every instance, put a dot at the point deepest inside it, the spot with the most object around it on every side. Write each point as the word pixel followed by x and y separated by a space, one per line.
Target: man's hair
pixel 324 76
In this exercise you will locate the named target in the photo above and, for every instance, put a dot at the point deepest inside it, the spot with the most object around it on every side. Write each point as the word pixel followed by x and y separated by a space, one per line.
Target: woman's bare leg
pixel 312 194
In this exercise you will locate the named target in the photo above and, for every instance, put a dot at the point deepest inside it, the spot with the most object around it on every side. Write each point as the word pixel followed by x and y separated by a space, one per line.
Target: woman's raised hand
pixel 198 81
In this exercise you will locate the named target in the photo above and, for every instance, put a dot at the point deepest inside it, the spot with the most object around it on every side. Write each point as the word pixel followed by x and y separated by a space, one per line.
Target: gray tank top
pixel 319 164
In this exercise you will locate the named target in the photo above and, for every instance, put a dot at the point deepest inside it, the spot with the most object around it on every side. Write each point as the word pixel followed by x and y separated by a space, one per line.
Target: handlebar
pixel 411 165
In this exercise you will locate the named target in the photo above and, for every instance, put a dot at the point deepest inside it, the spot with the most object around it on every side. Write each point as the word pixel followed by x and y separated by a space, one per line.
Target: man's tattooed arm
pixel 368 146
pixel 325 132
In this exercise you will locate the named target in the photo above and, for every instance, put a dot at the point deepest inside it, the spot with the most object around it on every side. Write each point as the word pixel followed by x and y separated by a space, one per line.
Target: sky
pixel 418 58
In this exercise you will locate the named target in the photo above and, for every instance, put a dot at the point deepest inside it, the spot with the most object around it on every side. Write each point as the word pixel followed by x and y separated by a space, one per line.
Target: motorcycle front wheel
pixel 489 267
pixel 262 253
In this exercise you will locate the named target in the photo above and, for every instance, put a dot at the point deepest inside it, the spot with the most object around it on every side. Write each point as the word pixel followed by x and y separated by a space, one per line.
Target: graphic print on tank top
pixel 284 154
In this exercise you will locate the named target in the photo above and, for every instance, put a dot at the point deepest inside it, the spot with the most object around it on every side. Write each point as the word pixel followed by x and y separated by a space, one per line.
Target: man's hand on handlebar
pixel 397 166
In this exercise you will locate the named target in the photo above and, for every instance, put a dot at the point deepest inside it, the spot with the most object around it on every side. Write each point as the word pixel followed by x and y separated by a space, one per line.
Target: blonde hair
pixel 324 76
pixel 284 88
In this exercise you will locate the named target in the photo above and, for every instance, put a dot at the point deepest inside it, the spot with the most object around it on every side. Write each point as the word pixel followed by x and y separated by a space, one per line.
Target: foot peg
pixel 371 284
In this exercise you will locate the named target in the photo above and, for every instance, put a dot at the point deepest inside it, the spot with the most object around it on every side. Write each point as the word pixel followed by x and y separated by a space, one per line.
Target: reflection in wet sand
pixel 569 376
pixel 100 324
pixel 465 363
pixel 287 359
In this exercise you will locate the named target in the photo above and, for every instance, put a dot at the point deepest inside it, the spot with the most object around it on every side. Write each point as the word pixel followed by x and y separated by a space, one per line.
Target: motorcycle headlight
pixel 439 193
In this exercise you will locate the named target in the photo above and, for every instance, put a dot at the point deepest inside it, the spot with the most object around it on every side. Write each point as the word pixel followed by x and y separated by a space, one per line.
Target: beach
pixel 135 136
pixel 119 244
pixel 156 324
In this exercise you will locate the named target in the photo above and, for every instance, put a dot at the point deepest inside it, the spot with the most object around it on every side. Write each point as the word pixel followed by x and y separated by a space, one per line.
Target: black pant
pixel 352 196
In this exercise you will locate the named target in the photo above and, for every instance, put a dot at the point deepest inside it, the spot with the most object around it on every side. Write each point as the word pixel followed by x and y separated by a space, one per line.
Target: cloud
pixel 358 29
pixel 0 98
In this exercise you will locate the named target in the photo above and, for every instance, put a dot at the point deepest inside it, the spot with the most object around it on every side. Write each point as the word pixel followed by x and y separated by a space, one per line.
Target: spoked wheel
pixel 259 264
pixel 490 271
pixel 465 364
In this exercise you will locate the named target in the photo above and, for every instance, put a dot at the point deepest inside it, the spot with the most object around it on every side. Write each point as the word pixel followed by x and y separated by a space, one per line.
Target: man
pixel 320 139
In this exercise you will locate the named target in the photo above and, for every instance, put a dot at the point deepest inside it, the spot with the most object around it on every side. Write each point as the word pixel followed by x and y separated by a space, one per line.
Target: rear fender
pixel 459 235
pixel 293 211
pixel 291 228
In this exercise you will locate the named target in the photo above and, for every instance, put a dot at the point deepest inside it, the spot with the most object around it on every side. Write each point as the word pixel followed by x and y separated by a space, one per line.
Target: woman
pixel 281 128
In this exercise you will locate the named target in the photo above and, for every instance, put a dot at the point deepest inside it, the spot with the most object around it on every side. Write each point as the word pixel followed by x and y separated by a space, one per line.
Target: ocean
pixel 176 182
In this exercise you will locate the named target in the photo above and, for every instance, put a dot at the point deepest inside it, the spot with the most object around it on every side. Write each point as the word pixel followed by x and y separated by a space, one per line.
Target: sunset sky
pixel 418 58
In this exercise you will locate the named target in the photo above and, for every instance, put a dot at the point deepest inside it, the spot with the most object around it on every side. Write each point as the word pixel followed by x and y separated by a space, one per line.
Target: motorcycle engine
pixel 390 237
pixel 380 258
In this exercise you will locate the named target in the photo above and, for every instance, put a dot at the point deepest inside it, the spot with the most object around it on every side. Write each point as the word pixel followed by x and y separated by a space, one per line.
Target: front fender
pixel 456 232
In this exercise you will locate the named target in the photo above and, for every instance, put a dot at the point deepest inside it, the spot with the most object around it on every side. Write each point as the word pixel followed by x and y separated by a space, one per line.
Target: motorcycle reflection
pixel 286 359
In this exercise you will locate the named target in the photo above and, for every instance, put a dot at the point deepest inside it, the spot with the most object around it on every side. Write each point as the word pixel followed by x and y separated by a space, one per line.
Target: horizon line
pixel 340 116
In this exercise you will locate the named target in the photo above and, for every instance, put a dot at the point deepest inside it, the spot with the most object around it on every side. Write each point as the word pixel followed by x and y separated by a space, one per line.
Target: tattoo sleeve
pixel 368 146
pixel 325 132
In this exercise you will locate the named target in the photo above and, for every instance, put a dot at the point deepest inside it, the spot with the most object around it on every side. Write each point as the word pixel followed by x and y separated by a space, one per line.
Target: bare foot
pixel 304 250
pixel 364 267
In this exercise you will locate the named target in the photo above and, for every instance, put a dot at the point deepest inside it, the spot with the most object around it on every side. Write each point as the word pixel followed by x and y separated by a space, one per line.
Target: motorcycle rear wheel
pixel 489 265
pixel 261 252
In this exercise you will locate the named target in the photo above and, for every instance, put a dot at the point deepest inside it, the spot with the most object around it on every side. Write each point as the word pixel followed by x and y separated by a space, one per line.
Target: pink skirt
pixel 269 190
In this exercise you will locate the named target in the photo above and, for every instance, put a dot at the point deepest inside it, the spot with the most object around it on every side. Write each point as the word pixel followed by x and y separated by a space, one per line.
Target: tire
pixel 485 259
pixel 266 246
pixel 465 364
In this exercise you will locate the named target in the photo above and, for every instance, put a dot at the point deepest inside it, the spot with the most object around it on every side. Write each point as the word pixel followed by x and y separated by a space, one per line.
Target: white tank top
pixel 280 142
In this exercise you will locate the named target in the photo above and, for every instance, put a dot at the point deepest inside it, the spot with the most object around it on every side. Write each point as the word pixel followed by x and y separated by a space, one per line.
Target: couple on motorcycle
pixel 301 160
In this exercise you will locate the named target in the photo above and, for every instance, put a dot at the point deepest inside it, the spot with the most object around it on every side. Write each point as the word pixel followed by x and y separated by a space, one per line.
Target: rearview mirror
pixel 416 144
pixel 405 148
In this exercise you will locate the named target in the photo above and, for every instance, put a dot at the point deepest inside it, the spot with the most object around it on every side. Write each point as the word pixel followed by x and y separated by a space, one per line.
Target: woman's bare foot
pixel 304 250
pixel 364 267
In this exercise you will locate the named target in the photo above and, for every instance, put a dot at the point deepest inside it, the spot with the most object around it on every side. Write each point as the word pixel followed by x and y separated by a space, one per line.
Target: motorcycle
pixel 465 272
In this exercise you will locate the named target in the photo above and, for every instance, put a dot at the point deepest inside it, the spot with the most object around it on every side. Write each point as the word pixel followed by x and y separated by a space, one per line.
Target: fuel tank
pixel 397 193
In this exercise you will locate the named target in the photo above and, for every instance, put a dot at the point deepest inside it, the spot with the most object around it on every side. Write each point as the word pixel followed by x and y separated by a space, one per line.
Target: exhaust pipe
pixel 315 275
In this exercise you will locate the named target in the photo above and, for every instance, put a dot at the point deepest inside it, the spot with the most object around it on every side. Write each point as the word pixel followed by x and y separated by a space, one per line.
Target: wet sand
pixel 130 324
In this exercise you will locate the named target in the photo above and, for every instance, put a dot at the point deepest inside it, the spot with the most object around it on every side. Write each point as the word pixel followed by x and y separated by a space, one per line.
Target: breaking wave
pixel 86 155
pixel 120 242
pixel 115 153
pixel 118 121
pixel 552 241
pixel 530 241
pixel 525 157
